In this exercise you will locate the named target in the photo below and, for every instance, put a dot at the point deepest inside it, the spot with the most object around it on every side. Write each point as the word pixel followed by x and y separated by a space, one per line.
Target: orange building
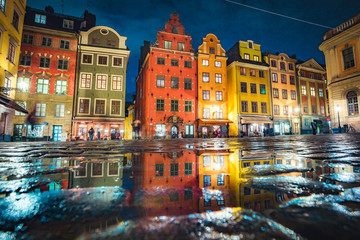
pixel 284 94
pixel 166 85
pixel 212 87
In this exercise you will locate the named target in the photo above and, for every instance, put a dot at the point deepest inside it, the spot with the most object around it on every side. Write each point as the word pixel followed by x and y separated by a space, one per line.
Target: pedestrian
pixel 91 133
pixel 313 125
pixel 98 135
pixel 219 134
pixel 117 135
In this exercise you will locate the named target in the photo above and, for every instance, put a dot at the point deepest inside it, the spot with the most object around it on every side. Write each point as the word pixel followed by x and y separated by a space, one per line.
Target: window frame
pixel 87 54
pixel 95 105
pixel 62 113
pixel 116 78
pixel 97 81
pixel 81 86
pixel 79 106
pixel 102 56
pixel 42 114
pixel 111 107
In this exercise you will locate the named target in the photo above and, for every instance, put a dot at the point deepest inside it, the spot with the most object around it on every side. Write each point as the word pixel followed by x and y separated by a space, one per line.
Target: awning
pixel 253 119
pixel 9 103
pixel 97 121
pixel 214 121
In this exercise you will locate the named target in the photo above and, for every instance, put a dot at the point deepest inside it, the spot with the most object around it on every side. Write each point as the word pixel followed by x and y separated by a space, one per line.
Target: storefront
pixel 286 126
pixel 102 130
pixel 256 126
pixel 210 128
pixel 174 127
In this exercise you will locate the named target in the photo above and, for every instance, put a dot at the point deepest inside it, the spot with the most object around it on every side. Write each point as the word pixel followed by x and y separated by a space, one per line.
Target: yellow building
pixel 249 102
pixel 284 93
pixel 11 26
pixel 128 123
pixel 212 88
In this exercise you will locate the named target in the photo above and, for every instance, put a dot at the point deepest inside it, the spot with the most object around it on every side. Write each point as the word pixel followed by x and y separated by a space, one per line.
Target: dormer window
pixel 250 45
pixel 247 56
pixel 168 45
pixel 68 24
pixel 211 50
pixel 40 18
pixel 175 29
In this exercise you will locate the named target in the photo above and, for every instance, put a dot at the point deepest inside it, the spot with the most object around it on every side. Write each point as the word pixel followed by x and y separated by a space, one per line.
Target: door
pixel 189 131
pixel 57 130
pixel 174 132
pixel 18 128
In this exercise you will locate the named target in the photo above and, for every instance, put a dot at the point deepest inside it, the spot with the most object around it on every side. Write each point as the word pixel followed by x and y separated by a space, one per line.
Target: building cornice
pixel 340 38
pixel 112 51
pixel 47 31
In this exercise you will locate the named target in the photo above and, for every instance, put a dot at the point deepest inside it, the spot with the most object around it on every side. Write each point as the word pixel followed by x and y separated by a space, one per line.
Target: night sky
pixel 140 20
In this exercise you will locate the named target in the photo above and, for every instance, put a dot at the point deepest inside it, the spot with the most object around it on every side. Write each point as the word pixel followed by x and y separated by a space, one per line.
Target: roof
pixel 10 103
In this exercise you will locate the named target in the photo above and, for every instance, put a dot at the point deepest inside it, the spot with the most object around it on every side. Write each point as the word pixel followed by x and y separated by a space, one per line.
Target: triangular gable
pixel 311 63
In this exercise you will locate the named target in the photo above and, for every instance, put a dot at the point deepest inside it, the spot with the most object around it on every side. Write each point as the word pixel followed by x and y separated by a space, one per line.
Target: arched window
pixel 352 100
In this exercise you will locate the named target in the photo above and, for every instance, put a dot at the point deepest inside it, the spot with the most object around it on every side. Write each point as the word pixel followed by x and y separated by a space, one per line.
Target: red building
pixel 166 85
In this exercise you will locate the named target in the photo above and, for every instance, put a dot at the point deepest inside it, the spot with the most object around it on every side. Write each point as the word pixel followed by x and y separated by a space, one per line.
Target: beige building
pixel 341 47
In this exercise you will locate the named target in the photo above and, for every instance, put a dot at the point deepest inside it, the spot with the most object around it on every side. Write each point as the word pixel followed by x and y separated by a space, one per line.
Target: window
pixel 2 5
pixel 254 107
pixel 99 106
pixel 319 76
pixel 87 59
pixel 110 42
pixel 160 129
pixel 243 87
pixel 101 81
pixel 113 168
pixel 219 96
pixel 292 80
pixel 205 62
pixel 21 104
pixel 174 169
pixel 160 105
pixel 102 60
pixel 40 18
pixel 219 114
pixel 276 110
pixel 207 161
pixel 116 82
pixel 84 105
pixel 243 71
pixel 247 191
pixel 273 63
pixel 282 66
pixel 63 64
pixel 187 64
pixel 263 107
pixel 322 109
pixel 302 73
pixel 42 86
pixel 207 180
pixel 262 89
pixel 64 44
pixel 23 84
pixel 44 62
pixel 274 77
pixel 188 106
pixel 174 82
pixel 205 77
pixel 96 169
pixel 61 87
pixel 217 64
pixel 206 113
pixel 291 66
pixel 85 80
pixel 246 164
pixel 40 110
pixel 220 180
pixel 293 95
pixel 276 92
pixel 16 20
pixel 256 58
pixel 218 78
pixel 168 44
pixel 174 62
pixel 211 50
pixel 244 106
pixel 68 24
pixel 187 83
pixel 7 86
pixel 286 110
pixel 159 170
pixel 311 75
pixel 352 101
pixel 27 38
pixel 160 81
pixel 313 109
pixel 188 192
pixel 253 87
pixel 305 108
pixel 250 45
pixel 175 29
pixel 59 110
pixel 220 160
pixel 181 46
pixel 11 52
pixel 246 56
pixel 284 94
pixel 95 40
pixel 46 41
pixel 206 95
pixel 25 60
pixel 252 73
pixel 303 90
pixel 321 92
pixel 188 168
pixel 261 74
pixel 116 107
pixel 161 61
pixel 312 91
pixel 174 105
pixel 283 78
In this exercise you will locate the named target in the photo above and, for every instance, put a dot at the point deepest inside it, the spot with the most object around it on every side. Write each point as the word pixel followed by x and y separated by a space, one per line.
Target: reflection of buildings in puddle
pixel 319 168
pixel 166 183
pixel 214 179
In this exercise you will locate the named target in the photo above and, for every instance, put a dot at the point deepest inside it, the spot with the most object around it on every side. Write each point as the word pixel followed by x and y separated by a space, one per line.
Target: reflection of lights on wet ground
pixel 23 206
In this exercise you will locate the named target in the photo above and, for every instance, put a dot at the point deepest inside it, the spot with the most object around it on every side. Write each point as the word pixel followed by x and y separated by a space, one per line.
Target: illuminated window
pixel 219 96
pixel 217 64
pixel 218 78
pixel 181 46
pixel 321 92
pixel 352 100
pixel 174 82
pixel 168 45
pixel 256 58
pixel 276 110
pixel 206 95
pixel 205 77
pixel 252 73
pixel 40 110
pixel 206 113
pixel 283 78
pixel 116 82
pixel 101 81
pixel 284 94
pixel 312 91
pixel 85 80
pixel 40 18
pixel 160 81
pixel 275 92
pixel 303 90
pixel 246 56
pixel 205 62
pixel 274 77
pixel 243 71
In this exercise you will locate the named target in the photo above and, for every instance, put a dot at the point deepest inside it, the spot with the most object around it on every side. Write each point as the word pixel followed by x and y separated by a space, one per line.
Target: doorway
pixel 18 128
pixel 57 130
pixel 174 132
pixel 189 131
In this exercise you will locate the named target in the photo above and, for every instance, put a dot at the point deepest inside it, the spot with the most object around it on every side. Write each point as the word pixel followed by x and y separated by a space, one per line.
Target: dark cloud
pixel 140 20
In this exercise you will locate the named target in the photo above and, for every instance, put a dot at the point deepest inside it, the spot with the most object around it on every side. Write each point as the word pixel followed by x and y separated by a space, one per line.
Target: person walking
pixel 91 133
pixel 98 135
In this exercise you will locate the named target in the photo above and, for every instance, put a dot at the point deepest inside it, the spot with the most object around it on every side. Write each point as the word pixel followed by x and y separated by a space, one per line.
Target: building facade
pixel 341 47
pixel 312 97
pixel 100 87
pixel 284 94
pixel 12 14
pixel 248 90
pixel 212 88
pixel 46 75
pixel 166 85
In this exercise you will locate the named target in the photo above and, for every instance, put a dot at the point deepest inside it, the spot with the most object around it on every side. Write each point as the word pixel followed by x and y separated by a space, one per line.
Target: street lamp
pixel 337 109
